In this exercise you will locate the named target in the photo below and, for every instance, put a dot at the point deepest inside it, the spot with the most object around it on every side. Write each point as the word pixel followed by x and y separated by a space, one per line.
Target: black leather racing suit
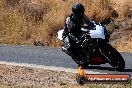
pixel 71 35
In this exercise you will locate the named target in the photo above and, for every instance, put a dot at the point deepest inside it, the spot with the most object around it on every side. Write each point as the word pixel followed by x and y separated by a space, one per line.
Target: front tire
pixel 114 58
pixel 117 59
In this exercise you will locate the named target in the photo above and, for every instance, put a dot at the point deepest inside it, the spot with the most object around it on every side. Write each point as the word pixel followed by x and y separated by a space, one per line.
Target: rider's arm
pixel 65 32
pixel 67 27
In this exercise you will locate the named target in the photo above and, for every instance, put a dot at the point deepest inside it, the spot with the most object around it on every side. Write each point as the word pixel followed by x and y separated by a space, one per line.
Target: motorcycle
pixel 103 53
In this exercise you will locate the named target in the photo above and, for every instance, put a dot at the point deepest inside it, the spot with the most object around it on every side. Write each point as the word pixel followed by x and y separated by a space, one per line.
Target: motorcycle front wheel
pixel 114 58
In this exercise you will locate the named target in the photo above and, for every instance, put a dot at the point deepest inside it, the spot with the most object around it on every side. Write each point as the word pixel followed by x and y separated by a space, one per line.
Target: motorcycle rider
pixel 72 31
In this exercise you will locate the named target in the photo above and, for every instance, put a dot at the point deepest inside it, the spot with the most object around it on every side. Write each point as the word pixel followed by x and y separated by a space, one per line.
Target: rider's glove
pixel 77 41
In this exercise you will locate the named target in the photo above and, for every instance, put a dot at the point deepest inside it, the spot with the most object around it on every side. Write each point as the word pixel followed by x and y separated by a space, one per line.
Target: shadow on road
pixel 127 70
pixel 107 68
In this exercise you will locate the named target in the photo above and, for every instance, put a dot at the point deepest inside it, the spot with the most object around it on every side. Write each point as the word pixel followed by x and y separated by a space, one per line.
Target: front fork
pixel 105 53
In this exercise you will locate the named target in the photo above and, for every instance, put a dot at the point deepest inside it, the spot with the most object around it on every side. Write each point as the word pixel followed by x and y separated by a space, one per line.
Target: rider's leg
pixel 91 45
pixel 68 47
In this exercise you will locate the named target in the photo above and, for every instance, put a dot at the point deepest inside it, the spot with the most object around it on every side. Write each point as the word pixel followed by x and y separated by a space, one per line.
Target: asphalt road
pixel 53 57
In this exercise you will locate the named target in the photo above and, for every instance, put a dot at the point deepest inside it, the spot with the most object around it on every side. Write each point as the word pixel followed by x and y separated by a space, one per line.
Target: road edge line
pixel 54 68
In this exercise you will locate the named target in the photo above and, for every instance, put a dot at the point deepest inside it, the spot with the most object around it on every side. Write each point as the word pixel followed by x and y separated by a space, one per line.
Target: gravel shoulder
pixel 27 77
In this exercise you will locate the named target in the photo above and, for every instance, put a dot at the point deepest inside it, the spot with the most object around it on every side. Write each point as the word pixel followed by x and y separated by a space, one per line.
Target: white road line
pixel 48 67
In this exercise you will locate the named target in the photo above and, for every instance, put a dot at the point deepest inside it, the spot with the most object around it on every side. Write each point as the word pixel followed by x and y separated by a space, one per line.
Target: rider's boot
pixel 65 50
pixel 83 64
pixel 85 61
